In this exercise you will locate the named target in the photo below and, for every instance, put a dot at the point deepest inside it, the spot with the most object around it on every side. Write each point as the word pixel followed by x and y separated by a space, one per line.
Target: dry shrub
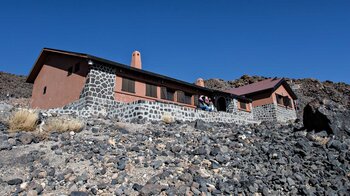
pixel 23 120
pixel 63 124
pixel 321 140
pixel 167 118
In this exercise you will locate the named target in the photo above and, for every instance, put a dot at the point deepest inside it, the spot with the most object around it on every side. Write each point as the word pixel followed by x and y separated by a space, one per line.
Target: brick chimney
pixel 200 82
pixel 136 60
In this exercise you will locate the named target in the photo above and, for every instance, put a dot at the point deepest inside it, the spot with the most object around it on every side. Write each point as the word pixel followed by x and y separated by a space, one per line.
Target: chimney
pixel 200 82
pixel 136 60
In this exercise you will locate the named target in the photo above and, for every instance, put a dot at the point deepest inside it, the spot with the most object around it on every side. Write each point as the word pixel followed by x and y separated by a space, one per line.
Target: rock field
pixel 308 157
pixel 114 158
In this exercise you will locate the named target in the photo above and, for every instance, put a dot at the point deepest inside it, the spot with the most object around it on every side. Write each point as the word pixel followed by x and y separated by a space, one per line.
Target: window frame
pixel 279 99
pixel 164 93
pixel 245 105
pixel 181 97
pixel 128 85
pixel 151 90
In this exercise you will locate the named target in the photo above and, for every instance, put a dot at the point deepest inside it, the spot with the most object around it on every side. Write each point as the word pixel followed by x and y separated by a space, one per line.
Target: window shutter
pixel 195 100
pixel 286 101
pixel 151 90
pixel 180 96
pixel 163 93
pixel 128 85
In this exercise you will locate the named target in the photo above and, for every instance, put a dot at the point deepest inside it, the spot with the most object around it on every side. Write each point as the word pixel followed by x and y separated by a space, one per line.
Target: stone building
pixel 272 99
pixel 71 82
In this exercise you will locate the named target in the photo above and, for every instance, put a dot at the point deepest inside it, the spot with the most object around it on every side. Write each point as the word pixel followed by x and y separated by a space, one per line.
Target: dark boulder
pixel 203 126
pixel 326 115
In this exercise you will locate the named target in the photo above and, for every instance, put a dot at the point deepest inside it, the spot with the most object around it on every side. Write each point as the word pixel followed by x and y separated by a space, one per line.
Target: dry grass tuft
pixel 63 124
pixel 23 120
pixel 167 118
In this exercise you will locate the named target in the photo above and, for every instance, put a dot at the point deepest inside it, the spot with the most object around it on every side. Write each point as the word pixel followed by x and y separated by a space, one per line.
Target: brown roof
pixel 45 51
pixel 268 84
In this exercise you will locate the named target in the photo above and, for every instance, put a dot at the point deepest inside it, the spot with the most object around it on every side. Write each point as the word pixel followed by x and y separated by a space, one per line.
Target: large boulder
pixel 326 115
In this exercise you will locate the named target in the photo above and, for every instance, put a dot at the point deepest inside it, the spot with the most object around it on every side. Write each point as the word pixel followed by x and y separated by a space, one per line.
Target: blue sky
pixel 186 39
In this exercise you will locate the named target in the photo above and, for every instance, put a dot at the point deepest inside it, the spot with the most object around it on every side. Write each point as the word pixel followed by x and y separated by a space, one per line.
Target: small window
pixel 243 105
pixel 77 67
pixel 44 91
pixel 128 85
pixel 188 98
pixel 279 99
pixel 287 102
pixel 70 71
pixel 180 96
pixel 195 98
pixel 167 94
pixel 151 90
pixel 183 97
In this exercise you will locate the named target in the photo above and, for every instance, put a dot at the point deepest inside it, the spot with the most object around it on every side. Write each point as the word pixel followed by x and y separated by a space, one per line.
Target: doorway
pixel 221 104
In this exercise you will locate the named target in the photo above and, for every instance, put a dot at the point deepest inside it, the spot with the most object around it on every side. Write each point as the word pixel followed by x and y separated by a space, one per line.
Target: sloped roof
pixel 265 85
pixel 45 51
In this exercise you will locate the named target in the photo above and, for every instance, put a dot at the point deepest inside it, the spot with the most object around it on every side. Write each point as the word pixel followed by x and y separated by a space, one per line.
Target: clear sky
pixel 186 39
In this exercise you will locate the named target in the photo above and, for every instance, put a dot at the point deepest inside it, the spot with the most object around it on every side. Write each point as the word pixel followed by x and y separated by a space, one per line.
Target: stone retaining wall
pixel 285 114
pixel 265 112
pixel 273 112
pixel 155 111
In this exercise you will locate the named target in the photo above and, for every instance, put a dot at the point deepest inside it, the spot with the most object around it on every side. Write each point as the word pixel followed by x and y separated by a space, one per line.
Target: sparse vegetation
pixel 63 124
pixel 23 120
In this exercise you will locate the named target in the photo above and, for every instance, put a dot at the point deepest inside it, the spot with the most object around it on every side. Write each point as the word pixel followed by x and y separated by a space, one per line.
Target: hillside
pixel 67 155
pixel 14 86
pixel 306 89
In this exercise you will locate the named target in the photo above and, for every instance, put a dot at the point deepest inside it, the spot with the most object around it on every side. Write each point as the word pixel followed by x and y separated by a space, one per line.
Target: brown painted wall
pixel 262 99
pixel 268 98
pixel 60 88
pixel 282 91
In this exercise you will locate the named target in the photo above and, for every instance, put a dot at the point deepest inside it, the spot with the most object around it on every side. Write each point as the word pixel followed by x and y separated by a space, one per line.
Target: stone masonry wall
pixel 265 112
pixel 155 111
pixel 285 114
pixel 273 112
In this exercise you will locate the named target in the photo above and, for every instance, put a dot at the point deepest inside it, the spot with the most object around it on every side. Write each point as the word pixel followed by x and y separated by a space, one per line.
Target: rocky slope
pixel 110 157
pixel 14 86
pixel 306 89
pixel 154 158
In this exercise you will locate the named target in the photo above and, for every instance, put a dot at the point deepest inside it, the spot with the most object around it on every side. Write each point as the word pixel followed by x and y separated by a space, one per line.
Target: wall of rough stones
pixel 155 111
pixel 285 114
pixel 265 112
pixel 273 112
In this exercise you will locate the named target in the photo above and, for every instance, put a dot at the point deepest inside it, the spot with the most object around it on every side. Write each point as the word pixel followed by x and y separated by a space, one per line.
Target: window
pixel 77 67
pixel 195 98
pixel 287 102
pixel 180 97
pixel 128 85
pixel 70 71
pixel 243 105
pixel 44 91
pixel 279 99
pixel 151 90
pixel 167 94
pixel 188 98
pixel 184 97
